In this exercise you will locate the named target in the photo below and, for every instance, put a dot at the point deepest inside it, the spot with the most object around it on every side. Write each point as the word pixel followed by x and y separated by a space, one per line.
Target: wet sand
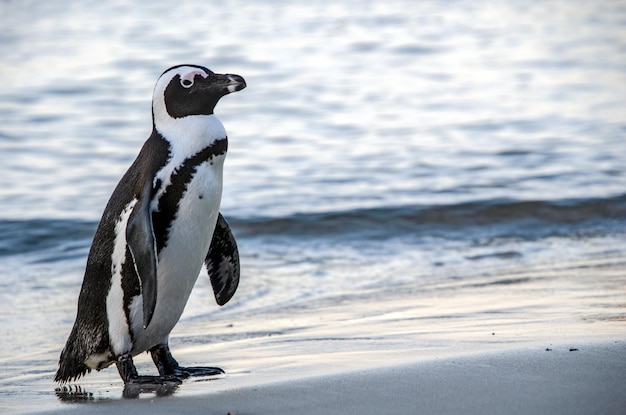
pixel 526 342
pixel 543 339
pixel 589 380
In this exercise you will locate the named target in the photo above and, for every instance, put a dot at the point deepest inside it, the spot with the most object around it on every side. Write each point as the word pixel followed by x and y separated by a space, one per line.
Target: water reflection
pixel 74 394
pixel 133 391
pixel 78 394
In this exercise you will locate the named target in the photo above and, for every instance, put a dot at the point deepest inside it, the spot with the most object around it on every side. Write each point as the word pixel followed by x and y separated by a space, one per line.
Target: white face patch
pixel 187 75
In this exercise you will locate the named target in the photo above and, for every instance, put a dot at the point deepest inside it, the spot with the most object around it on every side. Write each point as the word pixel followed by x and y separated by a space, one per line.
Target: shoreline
pixel 587 379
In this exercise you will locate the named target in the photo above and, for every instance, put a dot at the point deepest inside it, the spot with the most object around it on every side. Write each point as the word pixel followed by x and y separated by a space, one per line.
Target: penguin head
pixel 186 90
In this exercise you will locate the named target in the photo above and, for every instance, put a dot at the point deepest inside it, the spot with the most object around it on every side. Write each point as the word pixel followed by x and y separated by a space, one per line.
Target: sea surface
pixel 379 147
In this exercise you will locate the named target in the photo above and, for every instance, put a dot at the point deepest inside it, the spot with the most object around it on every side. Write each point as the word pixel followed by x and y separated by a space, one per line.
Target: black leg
pixel 168 366
pixel 126 367
pixel 129 375
pixel 163 359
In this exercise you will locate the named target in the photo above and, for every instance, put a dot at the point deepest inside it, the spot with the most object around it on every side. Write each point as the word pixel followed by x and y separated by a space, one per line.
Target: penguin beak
pixel 231 83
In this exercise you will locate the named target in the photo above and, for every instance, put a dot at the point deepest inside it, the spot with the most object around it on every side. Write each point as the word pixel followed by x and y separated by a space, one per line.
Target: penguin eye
pixel 186 83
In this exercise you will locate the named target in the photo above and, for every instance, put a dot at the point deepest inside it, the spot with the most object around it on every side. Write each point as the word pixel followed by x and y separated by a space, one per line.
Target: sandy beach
pixel 471 347
pixel 587 380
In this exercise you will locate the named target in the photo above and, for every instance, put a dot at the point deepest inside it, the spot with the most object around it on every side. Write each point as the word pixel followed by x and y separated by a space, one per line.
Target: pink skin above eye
pixel 187 79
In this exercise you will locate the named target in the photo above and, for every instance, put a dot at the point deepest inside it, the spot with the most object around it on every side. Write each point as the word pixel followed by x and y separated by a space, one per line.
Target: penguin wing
pixel 222 262
pixel 142 244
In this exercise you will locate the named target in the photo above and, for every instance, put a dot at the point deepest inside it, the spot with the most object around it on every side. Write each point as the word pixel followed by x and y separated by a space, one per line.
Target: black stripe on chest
pixel 169 202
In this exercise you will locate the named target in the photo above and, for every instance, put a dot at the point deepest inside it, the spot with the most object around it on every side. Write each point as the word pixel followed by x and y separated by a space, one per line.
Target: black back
pixel 90 332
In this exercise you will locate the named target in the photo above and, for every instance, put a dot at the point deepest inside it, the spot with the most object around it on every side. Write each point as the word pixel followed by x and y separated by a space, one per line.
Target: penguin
pixel 159 227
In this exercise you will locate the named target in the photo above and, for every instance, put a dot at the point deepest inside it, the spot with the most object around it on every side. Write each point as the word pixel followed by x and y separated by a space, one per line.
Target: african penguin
pixel 160 225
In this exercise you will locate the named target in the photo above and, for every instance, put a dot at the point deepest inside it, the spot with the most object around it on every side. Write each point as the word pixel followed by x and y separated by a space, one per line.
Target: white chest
pixel 180 261
pixel 189 235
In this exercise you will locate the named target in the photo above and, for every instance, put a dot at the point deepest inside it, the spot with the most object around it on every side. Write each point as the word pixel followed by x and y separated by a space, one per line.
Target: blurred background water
pixel 377 143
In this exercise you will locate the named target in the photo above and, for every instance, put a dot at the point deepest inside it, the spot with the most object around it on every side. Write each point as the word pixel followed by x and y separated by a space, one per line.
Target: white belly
pixel 180 261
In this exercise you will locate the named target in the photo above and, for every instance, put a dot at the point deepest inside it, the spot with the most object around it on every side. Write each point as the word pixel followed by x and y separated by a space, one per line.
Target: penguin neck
pixel 189 135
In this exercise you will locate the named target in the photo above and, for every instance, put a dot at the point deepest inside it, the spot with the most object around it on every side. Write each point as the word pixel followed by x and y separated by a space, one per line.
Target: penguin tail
pixel 71 366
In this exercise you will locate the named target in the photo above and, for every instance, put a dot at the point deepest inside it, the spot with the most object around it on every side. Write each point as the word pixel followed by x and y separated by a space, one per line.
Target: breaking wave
pixel 526 219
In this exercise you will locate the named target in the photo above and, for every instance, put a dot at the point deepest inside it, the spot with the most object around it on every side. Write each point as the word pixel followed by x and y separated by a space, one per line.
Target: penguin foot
pixel 186 372
pixel 168 366
pixel 128 372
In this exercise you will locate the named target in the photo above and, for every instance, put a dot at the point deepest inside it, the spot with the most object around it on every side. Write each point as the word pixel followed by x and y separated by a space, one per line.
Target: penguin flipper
pixel 222 262
pixel 142 245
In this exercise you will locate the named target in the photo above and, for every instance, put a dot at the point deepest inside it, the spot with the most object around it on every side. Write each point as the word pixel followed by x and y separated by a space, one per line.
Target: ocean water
pixel 379 147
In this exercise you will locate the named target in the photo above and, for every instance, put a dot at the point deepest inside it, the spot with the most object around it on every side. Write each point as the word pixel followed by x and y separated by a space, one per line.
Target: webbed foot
pixel 128 372
pixel 186 372
pixel 168 366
